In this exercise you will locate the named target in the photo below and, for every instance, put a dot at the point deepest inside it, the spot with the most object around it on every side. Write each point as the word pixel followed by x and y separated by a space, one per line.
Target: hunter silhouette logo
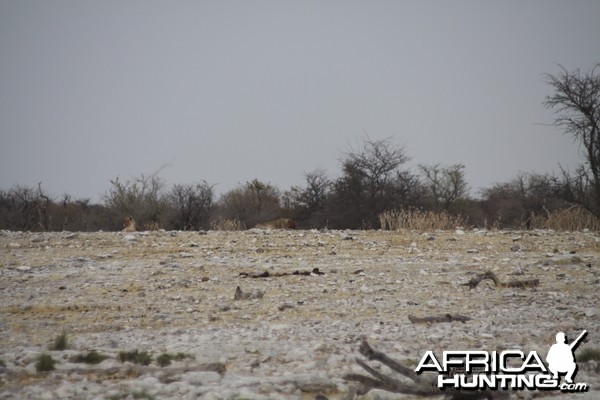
pixel 560 356
pixel 508 369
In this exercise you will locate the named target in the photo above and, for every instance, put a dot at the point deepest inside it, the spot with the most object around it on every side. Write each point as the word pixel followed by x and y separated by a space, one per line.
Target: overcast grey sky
pixel 229 91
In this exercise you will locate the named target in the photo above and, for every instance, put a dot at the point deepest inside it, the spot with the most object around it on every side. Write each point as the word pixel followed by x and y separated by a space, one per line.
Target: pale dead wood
pixel 439 318
pixel 410 382
pixel 524 284
pixel 267 274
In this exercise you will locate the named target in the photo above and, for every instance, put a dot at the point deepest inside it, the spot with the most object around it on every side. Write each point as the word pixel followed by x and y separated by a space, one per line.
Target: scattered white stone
pixel 366 289
pixel 104 256
pixel 140 298
pixel 201 378
pixel 591 312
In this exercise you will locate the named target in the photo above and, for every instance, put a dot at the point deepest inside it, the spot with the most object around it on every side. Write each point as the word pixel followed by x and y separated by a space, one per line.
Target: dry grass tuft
pixel 135 357
pixel 227 225
pixel 45 363
pixel 61 342
pixel 572 219
pixel 395 220
pixel 590 353
pixel 92 357
pixel 165 359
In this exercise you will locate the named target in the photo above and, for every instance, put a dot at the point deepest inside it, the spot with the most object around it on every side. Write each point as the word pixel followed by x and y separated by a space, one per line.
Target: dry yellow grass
pixel 573 219
pixel 395 220
pixel 227 225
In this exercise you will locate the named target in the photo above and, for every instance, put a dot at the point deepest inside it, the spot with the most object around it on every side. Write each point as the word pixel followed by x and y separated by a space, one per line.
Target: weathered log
pixel 267 274
pixel 366 350
pixel 420 386
pixel 529 283
pixel 439 318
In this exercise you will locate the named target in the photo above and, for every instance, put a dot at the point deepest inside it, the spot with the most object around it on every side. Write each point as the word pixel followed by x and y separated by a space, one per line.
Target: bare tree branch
pixel 576 106
pixel 421 385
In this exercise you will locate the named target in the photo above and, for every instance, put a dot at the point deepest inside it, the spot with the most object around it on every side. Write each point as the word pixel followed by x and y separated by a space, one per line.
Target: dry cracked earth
pixel 307 300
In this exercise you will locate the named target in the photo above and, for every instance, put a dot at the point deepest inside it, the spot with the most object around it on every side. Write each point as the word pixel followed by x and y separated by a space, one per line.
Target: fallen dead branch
pixel 410 383
pixel 439 318
pixel 524 284
pixel 267 274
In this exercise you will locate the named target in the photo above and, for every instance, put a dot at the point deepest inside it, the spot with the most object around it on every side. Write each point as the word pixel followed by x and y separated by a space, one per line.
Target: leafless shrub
pixel 26 208
pixel 189 206
pixel 395 220
pixel 141 198
pixel 250 203
pixel 511 204
pixel 445 185
pixel 374 179
pixel 576 106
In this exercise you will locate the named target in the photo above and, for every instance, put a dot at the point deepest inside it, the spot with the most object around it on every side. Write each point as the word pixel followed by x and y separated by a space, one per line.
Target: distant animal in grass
pixel 281 223
pixel 129 225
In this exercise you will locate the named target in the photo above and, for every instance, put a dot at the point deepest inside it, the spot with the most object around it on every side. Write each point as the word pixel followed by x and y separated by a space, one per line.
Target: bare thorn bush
pixel 395 220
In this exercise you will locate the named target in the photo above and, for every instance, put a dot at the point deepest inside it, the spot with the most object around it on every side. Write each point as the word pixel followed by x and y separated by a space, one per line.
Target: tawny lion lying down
pixel 129 225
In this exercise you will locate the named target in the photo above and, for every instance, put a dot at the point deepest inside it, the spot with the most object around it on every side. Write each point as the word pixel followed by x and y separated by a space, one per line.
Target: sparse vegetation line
pixel 374 190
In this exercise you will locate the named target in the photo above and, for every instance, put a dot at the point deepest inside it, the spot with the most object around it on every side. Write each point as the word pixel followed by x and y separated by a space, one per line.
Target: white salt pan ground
pixel 174 292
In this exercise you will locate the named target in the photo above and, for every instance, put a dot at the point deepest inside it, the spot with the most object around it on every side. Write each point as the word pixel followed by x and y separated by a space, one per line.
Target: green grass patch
pixel 589 353
pixel 135 357
pixel 136 395
pixel 165 359
pixel 45 363
pixel 92 357
pixel 2 363
pixel 61 342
